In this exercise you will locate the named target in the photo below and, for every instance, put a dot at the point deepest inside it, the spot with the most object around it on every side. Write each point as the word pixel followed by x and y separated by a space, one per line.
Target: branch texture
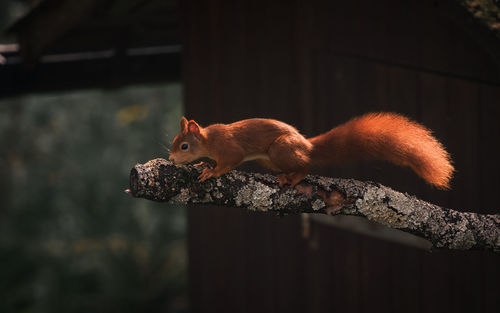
pixel 160 180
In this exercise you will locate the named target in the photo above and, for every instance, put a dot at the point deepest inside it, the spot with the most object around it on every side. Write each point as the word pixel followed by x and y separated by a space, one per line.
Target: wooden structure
pixel 316 64
pixel 66 45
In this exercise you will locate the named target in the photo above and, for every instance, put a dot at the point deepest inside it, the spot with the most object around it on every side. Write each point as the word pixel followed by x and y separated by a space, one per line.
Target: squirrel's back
pixel 386 136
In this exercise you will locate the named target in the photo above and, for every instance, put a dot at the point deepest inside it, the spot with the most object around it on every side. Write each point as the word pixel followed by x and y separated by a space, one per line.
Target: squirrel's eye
pixel 184 146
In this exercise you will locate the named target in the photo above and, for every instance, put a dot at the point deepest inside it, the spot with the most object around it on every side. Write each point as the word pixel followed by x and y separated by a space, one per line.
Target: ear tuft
pixel 193 127
pixel 184 123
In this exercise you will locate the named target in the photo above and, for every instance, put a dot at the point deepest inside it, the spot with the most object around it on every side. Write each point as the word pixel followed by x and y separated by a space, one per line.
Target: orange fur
pixel 390 137
pixel 384 136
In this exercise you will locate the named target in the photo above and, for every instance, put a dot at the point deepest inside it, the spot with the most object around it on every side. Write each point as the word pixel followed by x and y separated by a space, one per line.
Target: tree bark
pixel 160 180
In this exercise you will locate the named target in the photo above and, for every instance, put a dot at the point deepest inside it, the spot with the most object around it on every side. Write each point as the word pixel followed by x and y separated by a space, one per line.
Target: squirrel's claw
pixel 206 174
pixel 282 180
pixel 291 179
pixel 201 164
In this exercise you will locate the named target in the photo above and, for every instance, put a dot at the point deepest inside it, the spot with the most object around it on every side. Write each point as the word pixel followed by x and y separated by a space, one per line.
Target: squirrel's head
pixel 188 145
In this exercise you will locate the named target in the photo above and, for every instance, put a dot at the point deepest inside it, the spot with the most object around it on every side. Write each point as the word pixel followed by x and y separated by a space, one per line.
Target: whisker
pixel 164 146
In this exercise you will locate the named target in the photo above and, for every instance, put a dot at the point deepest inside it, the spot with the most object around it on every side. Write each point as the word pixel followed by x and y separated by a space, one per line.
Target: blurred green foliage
pixel 71 240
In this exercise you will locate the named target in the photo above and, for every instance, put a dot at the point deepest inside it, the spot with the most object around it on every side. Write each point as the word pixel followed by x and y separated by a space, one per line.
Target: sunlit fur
pixel 390 137
pixel 279 146
pixel 237 142
pixel 196 149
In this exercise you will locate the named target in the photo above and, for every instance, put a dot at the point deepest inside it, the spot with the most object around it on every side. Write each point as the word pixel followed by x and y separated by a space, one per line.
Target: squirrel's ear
pixel 194 128
pixel 184 123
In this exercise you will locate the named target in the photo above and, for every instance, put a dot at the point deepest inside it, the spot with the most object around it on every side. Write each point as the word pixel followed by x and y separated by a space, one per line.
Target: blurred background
pixel 88 88
pixel 71 240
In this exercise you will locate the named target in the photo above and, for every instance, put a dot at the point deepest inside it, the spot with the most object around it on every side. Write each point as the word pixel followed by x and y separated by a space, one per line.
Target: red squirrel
pixel 279 146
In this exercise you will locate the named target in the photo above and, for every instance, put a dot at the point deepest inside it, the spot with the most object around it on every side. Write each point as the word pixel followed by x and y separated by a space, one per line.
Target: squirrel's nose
pixel 171 158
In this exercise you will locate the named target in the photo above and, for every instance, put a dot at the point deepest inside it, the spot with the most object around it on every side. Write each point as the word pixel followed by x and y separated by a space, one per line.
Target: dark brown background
pixel 315 64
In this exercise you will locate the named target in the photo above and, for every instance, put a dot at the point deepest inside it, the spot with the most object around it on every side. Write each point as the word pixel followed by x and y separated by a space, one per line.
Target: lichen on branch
pixel 160 180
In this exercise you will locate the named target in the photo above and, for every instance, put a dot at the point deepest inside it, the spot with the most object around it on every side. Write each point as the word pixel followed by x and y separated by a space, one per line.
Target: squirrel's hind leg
pixel 290 154
pixel 291 179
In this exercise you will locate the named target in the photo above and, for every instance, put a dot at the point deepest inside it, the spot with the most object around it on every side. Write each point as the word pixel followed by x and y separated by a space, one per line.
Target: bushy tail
pixel 390 137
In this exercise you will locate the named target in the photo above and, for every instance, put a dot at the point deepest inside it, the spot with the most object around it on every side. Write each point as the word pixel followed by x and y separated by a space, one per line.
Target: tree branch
pixel 160 180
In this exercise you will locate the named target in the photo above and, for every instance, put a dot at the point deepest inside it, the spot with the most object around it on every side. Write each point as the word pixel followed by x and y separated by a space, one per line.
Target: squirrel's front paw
pixel 206 174
pixel 201 164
